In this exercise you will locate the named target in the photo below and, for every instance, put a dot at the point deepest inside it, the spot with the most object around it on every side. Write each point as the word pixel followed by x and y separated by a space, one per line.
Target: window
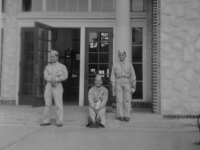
pixel 103 5
pixel 137 5
pixel 2 6
pixel 1 56
pixel 32 5
pixel 55 5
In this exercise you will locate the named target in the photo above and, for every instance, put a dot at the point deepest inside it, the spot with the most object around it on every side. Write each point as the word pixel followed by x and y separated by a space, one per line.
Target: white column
pixel 123 28
pixel 82 66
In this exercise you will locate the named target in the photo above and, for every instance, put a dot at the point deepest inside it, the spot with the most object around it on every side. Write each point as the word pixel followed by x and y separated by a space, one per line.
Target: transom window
pixel 1 56
pixel 68 5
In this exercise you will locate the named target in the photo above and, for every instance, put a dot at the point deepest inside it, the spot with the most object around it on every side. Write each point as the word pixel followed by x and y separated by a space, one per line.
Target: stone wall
pixel 10 51
pixel 180 57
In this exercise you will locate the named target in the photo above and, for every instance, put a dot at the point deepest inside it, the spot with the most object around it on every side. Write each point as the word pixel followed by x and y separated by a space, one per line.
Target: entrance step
pixel 76 116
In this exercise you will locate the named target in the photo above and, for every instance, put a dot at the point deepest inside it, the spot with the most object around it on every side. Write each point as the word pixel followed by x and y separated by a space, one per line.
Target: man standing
pixel 54 73
pixel 123 81
pixel 98 97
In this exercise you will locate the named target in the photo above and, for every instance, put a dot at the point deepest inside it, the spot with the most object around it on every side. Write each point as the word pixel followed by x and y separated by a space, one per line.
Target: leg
pixel 57 94
pixel 101 114
pixel 127 101
pixel 91 118
pixel 119 98
pixel 47 108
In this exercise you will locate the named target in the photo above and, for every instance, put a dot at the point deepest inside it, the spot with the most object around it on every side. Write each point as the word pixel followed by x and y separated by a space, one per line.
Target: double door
pixel 35 47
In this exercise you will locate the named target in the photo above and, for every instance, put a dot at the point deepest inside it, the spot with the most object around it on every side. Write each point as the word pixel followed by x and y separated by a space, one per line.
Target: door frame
pixel 87 30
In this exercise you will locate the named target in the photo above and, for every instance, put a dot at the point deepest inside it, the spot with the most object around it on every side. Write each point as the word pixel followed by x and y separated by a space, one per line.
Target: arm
pixel 64 75
pixel 112 78
pixel 90 98
pixel 47 76
pixel 105 98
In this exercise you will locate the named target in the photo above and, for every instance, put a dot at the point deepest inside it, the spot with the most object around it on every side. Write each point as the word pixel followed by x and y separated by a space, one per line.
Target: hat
pixel 98 77
pixel 54 52
pixel 121 51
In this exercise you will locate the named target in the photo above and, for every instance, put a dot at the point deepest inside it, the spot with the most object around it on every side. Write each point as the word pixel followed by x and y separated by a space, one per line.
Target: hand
pixel 96 99
pixel 53 80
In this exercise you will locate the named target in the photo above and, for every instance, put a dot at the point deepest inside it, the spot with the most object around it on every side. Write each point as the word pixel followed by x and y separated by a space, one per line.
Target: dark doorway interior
pixel 67 42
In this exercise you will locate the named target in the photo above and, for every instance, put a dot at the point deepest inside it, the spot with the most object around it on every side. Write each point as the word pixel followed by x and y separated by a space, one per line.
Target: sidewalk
pixel 76 116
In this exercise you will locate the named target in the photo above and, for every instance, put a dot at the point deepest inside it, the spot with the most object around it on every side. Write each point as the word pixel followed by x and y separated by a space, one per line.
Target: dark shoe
pixel 120 118
pixel 45 124
pixel 126 119
pixel 90 123
pixel 98 122
pixel 59 125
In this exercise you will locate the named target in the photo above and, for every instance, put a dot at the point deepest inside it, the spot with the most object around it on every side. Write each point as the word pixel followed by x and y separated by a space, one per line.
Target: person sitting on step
pixel 98 97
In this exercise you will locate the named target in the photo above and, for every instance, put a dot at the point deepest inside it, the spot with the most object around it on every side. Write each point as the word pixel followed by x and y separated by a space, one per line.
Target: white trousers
pixel 55 93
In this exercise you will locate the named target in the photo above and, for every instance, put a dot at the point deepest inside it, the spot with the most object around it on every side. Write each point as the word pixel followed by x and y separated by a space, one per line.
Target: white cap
pixel 98 77
pixel 121 51
pixel 54 52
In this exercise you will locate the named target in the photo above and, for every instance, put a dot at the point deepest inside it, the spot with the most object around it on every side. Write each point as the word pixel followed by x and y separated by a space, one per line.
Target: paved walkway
pixel 76 116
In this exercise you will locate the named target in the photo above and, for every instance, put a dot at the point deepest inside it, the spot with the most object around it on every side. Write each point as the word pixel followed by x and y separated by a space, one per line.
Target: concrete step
pixel 75 116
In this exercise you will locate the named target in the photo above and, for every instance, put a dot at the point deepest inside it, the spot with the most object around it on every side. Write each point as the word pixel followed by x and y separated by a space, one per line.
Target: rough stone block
pixel 184 1
pixel 169 74
pixel 164 37
pixel 177 45
pixel 172 55
pixel 195 91
pixel 197 45
pixel 167 29
pixel 177 66
pixel 192 15
pixel 174 21
pixel 194 4
pixel 167 10
pixel 167 93
pixel 167 48
pixel 166 83
pixel 169 1
pixel 165 63
pixel 188 74
pixel 179 84
pixel 179 10
pixel 187 57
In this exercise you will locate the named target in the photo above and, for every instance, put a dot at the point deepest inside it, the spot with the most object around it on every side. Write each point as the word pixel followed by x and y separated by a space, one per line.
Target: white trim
pixel 82 67
pixel 0 45
pixel 142 23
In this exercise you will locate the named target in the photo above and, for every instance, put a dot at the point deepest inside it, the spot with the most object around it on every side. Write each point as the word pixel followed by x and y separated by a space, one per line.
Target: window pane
pixel 139 90
pixel 83 6
pixel 107 6
pixel 93 58
pixel 137 5
pixel 37 5
pixel 137 36
pixel 26 5
pixel 137 54
pixel 27 90
pixel 40 90
pixel 96 5
pixel 72 5
pixel 50 5
pixel 103 58
pixel 138 71
pixel 93 68
pixel 27 79
pixel 61 5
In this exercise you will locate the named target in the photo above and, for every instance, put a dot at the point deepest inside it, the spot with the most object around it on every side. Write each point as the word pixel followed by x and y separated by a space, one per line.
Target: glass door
pixel 98 58
pixel 141 56
pixel 42 46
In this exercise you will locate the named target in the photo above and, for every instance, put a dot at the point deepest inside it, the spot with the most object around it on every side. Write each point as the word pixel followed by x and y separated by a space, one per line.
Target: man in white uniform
pixel 54 73
pixel 123 81
pixel 98 97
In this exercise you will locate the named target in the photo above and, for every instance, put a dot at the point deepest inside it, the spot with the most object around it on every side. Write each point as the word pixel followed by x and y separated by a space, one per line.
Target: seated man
pixel 98 96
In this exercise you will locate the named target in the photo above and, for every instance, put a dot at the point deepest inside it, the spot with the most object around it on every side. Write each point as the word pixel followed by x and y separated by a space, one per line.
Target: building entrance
pixel 36 44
